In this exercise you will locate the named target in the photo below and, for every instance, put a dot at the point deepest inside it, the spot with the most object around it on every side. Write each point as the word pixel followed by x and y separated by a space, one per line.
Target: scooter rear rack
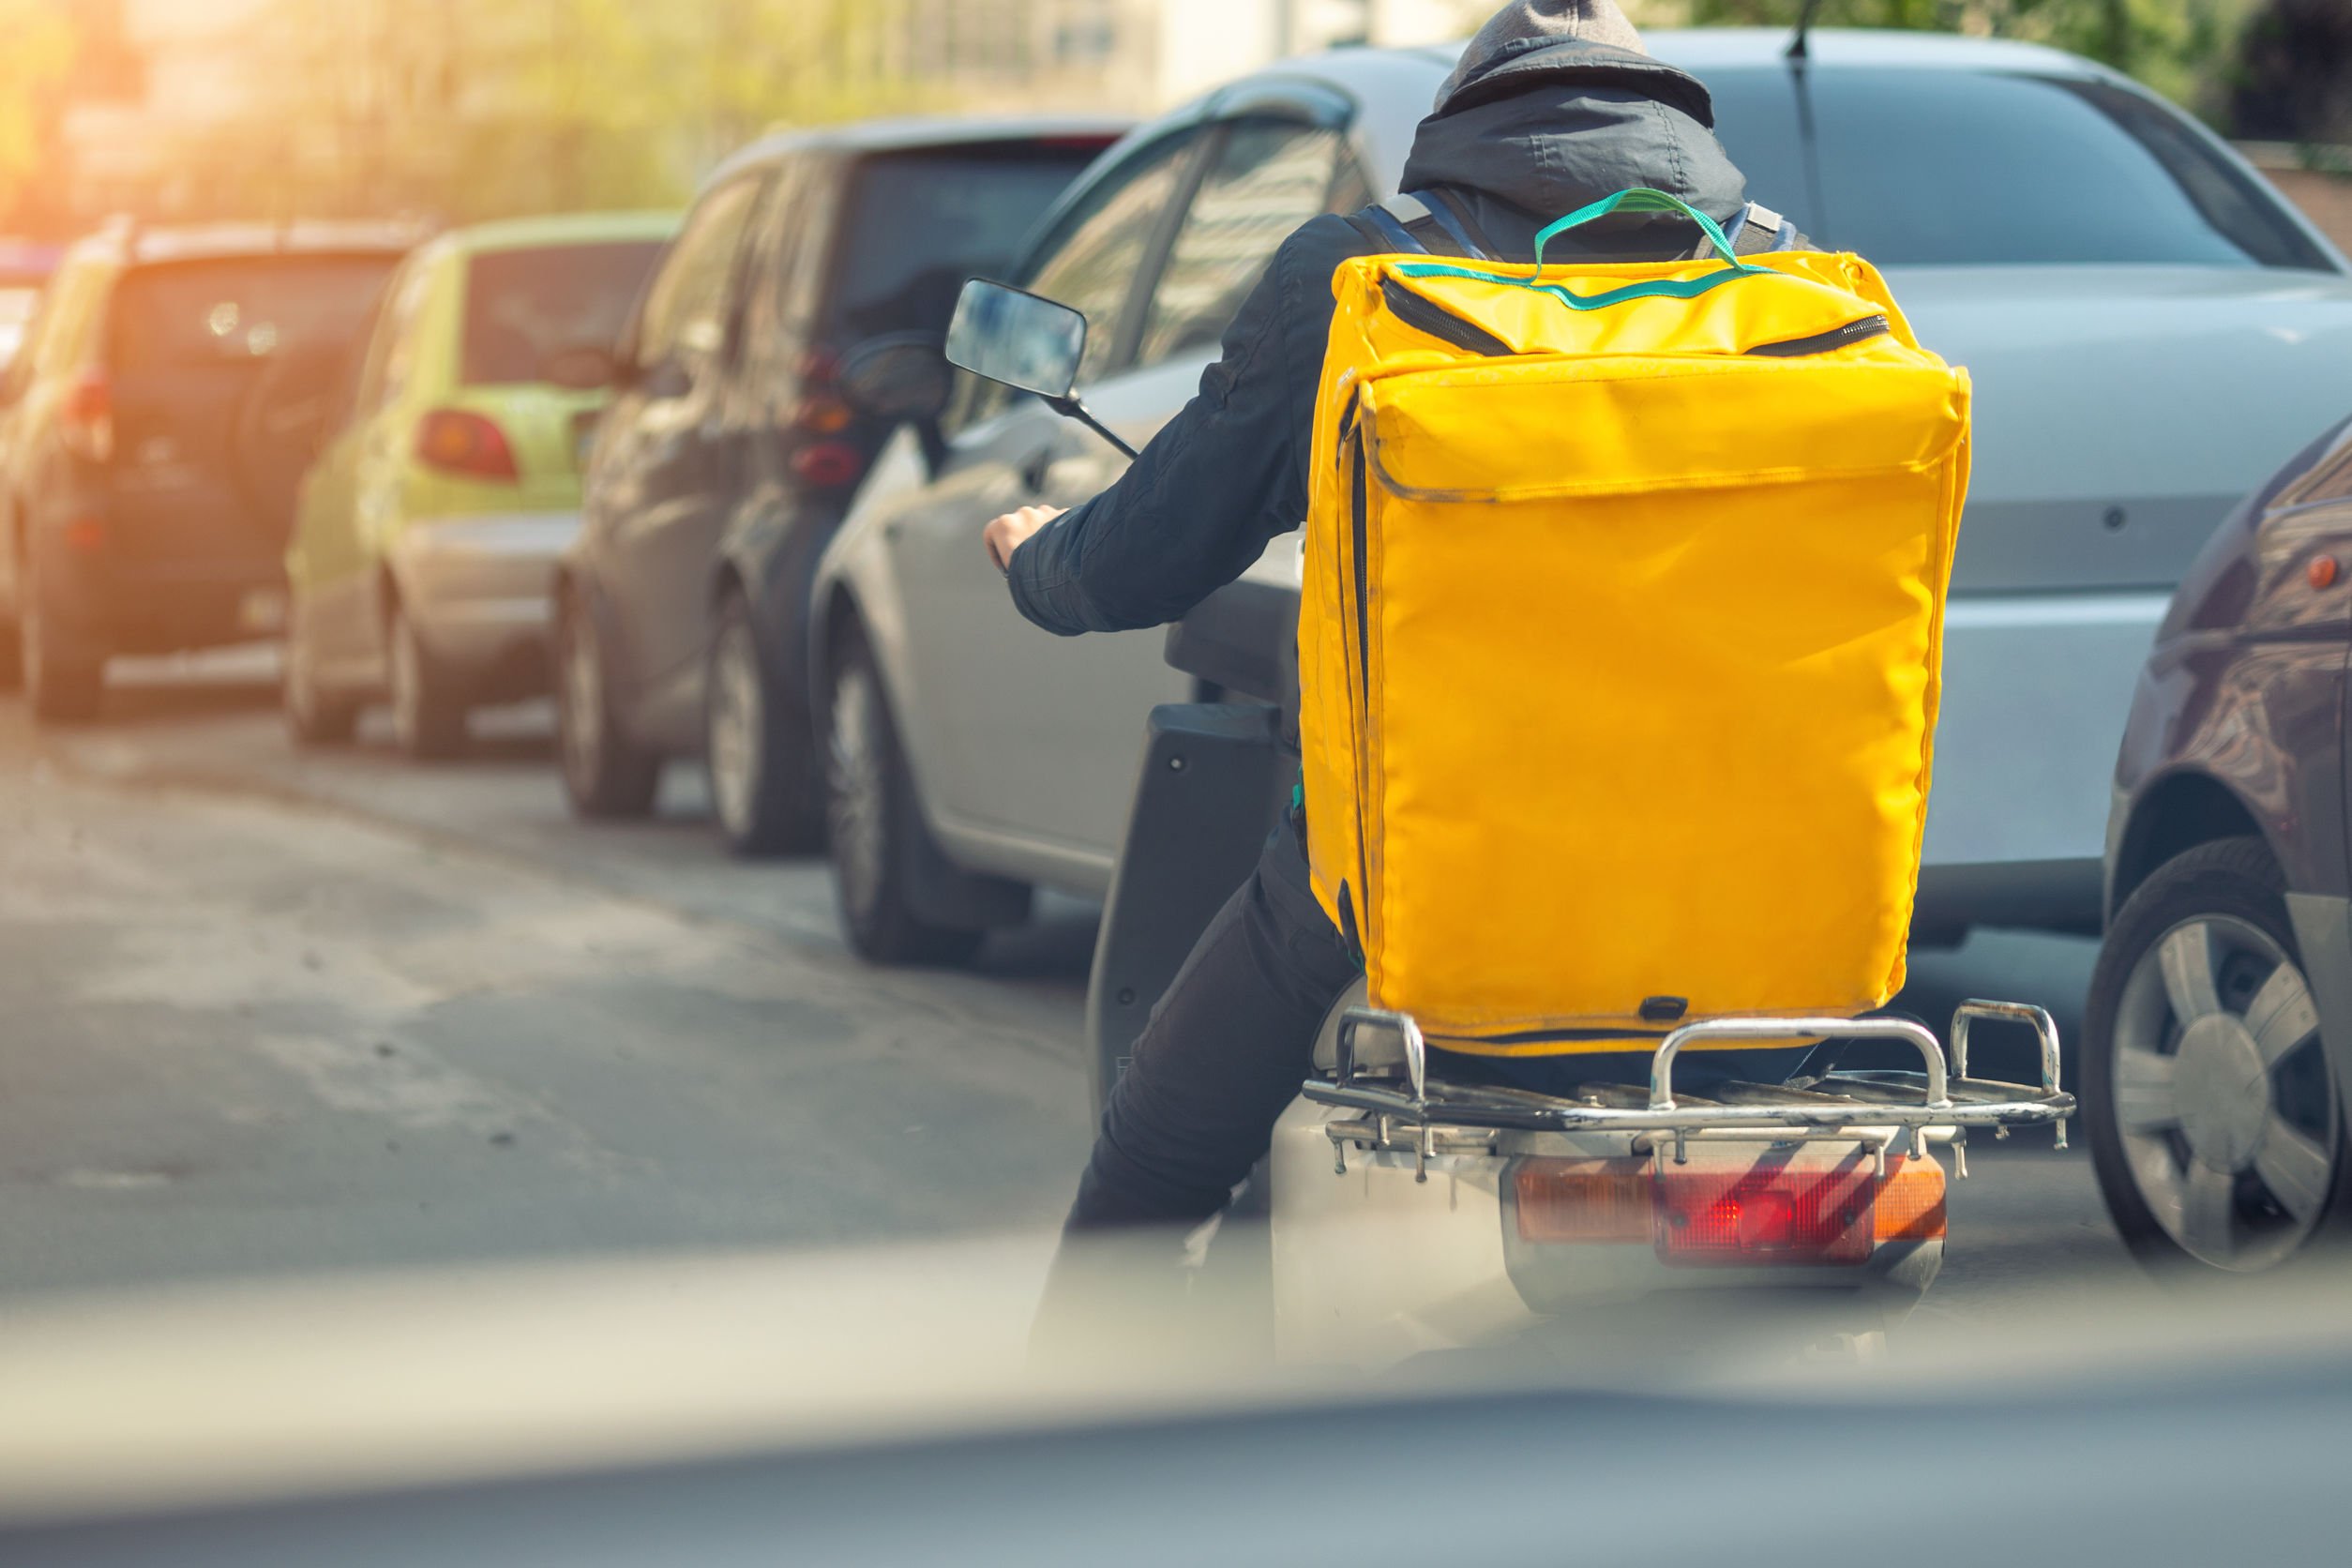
pixel 1876 1106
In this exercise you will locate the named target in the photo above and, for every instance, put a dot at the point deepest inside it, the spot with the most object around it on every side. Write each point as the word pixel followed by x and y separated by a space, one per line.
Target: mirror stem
pixel 1071 408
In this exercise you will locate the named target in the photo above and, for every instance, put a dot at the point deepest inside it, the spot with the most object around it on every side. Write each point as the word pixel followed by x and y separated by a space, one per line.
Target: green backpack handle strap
pixel 1639 198
pixel 1642 199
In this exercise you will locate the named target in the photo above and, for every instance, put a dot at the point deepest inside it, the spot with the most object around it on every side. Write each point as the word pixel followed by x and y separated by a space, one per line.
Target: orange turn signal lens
pixel 1584 1200
pixel 823 416
pixel 1911 1201
pixel 2322 571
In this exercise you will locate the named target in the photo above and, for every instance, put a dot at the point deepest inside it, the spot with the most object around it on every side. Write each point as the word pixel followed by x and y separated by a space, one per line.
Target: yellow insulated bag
pixel 1621 636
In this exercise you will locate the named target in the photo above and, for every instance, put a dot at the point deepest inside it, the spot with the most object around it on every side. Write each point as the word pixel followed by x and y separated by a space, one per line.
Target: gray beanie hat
pixel 1559 21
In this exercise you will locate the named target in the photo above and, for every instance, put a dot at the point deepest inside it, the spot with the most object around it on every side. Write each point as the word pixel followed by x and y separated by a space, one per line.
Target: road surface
pixel 273 1013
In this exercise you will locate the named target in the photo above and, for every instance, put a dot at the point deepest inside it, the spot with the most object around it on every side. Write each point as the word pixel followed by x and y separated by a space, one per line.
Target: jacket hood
pixel 1548 127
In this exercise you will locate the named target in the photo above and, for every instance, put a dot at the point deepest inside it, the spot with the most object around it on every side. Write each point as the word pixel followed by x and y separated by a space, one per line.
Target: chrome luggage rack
pixel 1877 1107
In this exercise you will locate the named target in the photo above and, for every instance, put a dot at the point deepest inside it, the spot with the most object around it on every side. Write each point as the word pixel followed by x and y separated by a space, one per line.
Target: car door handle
pixel 1037 472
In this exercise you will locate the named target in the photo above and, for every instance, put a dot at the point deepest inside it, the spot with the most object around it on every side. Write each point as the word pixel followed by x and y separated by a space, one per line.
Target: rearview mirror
pixel 899 375
pixel 1023 339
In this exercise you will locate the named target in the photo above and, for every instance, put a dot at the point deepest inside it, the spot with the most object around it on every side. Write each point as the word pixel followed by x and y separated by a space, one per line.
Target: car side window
pixel 1268 177
pixel 686 320
pixel 1091 256
pixel 781 277
pixel 2328 479
pixel 65 317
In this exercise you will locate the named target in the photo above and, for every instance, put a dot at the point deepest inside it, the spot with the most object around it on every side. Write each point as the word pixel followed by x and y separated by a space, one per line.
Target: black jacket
pixel 1535 133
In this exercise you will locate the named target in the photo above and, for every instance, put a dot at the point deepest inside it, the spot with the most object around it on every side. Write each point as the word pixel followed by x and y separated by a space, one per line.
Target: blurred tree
pixel 2184 48
pixel 37 53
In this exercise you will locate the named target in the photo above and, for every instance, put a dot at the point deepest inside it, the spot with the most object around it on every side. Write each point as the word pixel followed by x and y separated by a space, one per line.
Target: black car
pixel 731 448
pixel 152 429
pixel 2218 1045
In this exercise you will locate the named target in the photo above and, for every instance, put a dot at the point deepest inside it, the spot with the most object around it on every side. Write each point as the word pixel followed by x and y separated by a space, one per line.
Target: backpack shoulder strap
pixel 1421 223
pixel 1756 228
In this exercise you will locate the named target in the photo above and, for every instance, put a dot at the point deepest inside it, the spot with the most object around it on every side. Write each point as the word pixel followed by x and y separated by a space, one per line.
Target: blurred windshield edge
pixel 212 1395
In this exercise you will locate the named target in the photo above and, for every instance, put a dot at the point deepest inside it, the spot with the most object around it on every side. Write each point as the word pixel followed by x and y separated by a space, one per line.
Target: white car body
pixel 2120 411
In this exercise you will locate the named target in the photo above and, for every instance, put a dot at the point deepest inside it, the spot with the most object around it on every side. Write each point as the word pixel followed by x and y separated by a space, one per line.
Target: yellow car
pixel 450 477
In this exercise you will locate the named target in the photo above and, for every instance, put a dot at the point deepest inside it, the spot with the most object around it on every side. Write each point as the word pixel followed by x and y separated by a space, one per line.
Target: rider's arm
pixel 1221 479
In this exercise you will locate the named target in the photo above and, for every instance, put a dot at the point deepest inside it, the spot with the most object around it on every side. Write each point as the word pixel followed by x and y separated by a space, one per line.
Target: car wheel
pixel 762 791
pixel 61 681
pixel 872 830
pixel 314 716
pixel 428 706
pixel 604 776
pixel 2215 1123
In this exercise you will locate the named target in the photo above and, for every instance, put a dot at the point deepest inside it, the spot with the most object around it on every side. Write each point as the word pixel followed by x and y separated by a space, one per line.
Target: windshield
pixel 920 223
pixel 184 314
pixel 1964 167
pixel 524 306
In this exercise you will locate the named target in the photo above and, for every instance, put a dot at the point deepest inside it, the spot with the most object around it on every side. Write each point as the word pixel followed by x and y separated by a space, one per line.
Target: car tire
pixel 429 706
pixel 764 794
pixel 62 683
pixel 2216 1125
pixel 314 716
pixel 605 776
pixel 873 831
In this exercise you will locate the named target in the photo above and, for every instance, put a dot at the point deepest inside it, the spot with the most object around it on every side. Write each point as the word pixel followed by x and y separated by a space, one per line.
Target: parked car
pixel 23 268
pixel 149 439
pixel 2142 314
pixel 425 550
pixel 730 452
pixel 2217 1048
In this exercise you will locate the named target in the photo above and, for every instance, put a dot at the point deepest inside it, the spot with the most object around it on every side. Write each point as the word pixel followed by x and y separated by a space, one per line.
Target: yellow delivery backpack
pixel 1620 635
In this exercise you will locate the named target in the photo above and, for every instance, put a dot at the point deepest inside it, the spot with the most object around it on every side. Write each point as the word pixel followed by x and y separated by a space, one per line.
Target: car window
pixel 780 290
pixel 916 224
pixel 179 314
pixel 1268 177
pixel 686 315
pixel 524 306
pixel 1091 261
pixel 1973 168
pixel 59 331
pixel 1090 258
pixel 2327 479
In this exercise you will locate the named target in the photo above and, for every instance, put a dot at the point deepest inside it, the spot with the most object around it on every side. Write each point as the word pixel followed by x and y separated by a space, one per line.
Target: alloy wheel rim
pixel 735 726
pixel 854 794
pixel 2222 1097
pixel 581 711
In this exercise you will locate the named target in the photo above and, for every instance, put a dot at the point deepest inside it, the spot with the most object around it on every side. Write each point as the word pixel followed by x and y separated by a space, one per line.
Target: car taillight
pixel 458 441
pixel 86 420
pixel 1767 1215
pixel 1912 1201
pixel 828 464
pixel 822 413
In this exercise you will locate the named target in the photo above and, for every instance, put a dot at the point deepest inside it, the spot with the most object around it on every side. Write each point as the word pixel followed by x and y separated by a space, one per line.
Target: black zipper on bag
pixel 1440 322
pixel 1825 343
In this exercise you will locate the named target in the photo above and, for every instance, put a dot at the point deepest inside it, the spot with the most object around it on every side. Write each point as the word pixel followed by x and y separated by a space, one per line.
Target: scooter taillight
pixel 1753 1213
pixel 1767 1215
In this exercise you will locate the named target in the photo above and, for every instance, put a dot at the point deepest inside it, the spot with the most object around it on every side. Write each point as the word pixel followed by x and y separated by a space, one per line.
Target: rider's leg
pixel 1222 1056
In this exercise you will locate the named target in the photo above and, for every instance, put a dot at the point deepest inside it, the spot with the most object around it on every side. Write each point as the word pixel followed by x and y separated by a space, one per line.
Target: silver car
pixel 2151 328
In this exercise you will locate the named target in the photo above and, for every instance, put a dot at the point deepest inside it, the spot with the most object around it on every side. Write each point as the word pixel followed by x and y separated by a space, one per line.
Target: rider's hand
pixel 1004 535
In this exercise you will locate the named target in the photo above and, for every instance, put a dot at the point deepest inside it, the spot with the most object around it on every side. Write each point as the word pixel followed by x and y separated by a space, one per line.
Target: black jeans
pixel 1222 1055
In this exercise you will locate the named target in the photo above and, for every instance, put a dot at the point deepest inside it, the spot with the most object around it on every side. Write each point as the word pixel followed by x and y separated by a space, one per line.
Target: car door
pixel 1043 731
pixel 668 468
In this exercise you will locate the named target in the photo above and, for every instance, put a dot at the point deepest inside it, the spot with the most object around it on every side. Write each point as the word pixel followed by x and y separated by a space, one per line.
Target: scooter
pixel 1412 1208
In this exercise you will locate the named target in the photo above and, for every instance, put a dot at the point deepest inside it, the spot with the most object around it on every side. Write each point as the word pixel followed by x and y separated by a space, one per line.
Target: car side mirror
pixel 581 367
pixel 900 376
pixel 1026 341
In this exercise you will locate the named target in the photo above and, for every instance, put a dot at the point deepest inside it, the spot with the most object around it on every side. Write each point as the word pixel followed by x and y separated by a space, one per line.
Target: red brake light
pixel 458 441
pixel 86 418
pixel 1767 1214
pixel 829 465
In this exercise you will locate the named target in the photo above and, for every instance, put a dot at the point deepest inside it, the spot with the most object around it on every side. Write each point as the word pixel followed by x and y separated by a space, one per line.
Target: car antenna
pixel 1800 57
pixel 1800 43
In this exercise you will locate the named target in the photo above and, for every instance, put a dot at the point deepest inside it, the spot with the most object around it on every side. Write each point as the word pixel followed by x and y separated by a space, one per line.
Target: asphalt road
pixel 272 1013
